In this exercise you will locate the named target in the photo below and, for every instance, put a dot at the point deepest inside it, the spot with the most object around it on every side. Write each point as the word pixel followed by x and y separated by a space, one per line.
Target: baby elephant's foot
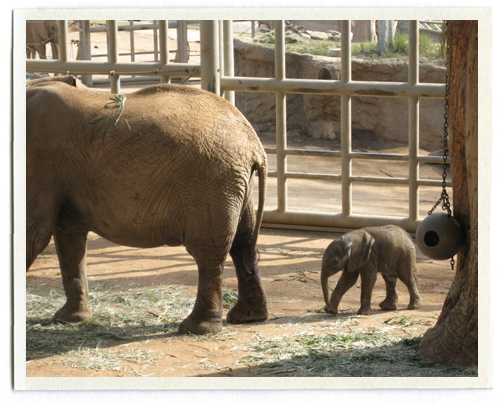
pixel 414 304
pixel 69 314
pixel 365 311
pixel 388 305
pixel 197 327
pixel 330 310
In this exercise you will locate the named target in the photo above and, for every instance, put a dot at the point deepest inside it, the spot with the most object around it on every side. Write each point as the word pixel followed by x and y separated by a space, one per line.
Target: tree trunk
pixel 454 338
pixel 384 36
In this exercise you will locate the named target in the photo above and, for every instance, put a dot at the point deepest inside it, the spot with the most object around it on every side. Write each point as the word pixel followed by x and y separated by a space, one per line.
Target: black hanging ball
pixel 440 236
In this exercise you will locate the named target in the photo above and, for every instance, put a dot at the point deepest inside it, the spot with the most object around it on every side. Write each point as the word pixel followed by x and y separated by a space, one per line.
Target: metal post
pixel 209 51
pixel 182 41
pixel 84 48
pixel 155 41
pixel 252 27
pixel 163 27
pixel 228 56
pixel 113 54
pixel 281 144
pixel 220 38
pixel 132 43
pixel 62 26
pixel 345 127
pixel 413 121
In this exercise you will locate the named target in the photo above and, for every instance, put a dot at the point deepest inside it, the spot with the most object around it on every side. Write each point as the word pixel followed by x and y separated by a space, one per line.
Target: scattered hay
pixel 137 315
pixel 330 348
pixel 102 360
pixel 351 354
pixel 301 276
pixel 230 298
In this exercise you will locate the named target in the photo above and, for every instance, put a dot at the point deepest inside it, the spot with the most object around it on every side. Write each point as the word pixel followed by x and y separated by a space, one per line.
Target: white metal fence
pixel 217 75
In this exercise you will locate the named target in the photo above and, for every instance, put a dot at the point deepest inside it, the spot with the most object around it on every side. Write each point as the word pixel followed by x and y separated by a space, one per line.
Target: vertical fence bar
pixel 155 41
pixel 163 28
pixel 113 54
pixel 132 42
pixel 345 112
pixel 182 41
pixel 84 48
pixel 209 51
pixel 220 38
pixel 228 56
pixel 413 121
pixel 252 28
pixel 62 26
pixel 281 143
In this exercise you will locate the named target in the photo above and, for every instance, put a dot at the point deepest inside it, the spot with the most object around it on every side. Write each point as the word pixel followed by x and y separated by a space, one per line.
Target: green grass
pixel 400 46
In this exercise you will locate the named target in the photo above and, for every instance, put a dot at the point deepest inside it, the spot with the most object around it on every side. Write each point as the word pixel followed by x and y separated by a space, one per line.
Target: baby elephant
pixel 384 249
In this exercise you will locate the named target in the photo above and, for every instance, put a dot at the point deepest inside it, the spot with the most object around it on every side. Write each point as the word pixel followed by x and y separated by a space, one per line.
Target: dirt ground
pixel 289 262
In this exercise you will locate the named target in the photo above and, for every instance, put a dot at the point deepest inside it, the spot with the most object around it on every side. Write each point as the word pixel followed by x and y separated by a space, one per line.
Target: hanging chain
pixel 445 198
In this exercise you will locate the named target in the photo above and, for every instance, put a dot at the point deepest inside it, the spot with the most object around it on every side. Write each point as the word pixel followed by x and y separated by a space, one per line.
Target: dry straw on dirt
pixel 124 317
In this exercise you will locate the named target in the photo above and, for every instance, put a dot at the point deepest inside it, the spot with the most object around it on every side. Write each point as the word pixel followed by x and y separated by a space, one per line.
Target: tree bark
pixel 454 338
pixel 384 36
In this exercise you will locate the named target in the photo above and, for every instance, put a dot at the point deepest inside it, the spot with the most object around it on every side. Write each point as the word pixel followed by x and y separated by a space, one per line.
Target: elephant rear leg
pixel 72 253
pixel 206 316
pixel 251 305
pixel 391 297
pixel 411 282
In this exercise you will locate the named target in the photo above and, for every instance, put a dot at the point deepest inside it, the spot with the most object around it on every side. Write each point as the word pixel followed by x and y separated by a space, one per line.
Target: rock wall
pixel 319 116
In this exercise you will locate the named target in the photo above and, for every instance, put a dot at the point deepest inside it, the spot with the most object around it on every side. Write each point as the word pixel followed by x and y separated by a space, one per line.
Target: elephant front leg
pixel 346 281
pixel 391 297
pixel 368 280
pixel 72 253
pixel 206 316
pixel 252 302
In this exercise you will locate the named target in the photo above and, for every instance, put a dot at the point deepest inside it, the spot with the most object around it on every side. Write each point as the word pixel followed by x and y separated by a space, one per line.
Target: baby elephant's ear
pixel 361 246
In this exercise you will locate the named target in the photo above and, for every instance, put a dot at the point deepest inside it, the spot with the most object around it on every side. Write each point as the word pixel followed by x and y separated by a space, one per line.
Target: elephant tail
pixel 261 169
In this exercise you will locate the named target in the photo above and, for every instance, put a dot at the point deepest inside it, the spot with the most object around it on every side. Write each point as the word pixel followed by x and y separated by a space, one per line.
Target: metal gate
pixel 217 75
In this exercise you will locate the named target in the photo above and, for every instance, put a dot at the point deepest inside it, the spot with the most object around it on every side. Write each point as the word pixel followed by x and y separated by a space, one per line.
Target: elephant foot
pixel 330 310
pixel 414 304
pixel 388 305
pixel 69 315
pixel 365 311
pixel 193 327
pixel 245 313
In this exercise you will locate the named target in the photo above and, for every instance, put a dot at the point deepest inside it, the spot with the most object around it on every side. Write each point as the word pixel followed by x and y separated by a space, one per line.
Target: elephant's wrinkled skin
pixel 385 249
pixel 174 169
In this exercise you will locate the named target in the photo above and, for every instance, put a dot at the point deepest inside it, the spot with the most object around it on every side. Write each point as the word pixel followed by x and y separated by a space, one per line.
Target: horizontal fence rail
pixel 333 88
pixel 119 68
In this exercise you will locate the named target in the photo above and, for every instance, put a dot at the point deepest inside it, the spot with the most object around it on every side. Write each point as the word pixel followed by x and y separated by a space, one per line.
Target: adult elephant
pixel 168 165
pixel 38 34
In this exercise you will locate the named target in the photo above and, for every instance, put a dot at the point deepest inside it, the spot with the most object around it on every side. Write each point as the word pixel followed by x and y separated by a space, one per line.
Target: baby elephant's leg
pixel 410 280
pixel 368 280
pixel 391 296
pixel 346 281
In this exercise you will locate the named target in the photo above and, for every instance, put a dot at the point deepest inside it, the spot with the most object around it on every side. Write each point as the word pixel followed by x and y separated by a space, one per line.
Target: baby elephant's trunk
pixel 324 285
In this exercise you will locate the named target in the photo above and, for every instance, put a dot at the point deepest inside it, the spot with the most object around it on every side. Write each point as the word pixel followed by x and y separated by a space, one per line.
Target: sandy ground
pixel 289 261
